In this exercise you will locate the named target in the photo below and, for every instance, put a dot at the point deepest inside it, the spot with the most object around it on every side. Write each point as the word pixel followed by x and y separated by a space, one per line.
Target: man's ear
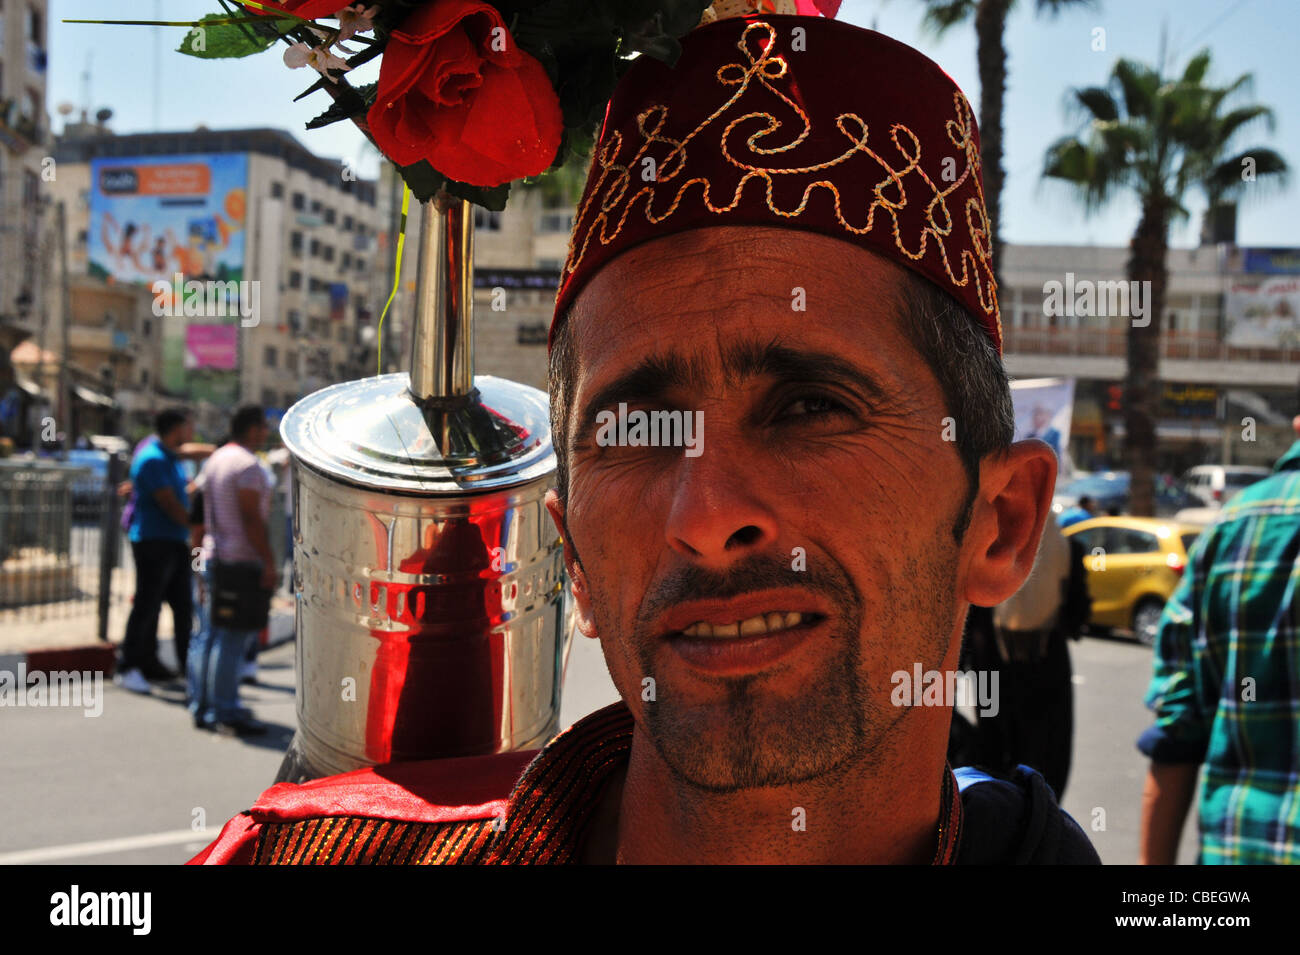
pixel 1012 504
pixel 586 620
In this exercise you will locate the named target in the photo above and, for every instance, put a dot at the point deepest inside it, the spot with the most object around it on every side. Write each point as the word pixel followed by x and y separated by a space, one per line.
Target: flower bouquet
pixel 471 95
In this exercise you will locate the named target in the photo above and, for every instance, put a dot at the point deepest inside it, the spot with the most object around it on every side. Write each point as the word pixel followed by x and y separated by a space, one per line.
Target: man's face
pixel 258 434
pixel 181 434
pixel 825 488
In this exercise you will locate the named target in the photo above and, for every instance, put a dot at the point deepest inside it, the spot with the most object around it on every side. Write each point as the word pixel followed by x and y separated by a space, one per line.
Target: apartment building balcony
pixel 1099 353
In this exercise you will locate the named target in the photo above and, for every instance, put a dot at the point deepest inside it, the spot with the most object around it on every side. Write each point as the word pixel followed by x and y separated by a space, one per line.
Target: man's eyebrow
pixel 785 363
pixel 652 377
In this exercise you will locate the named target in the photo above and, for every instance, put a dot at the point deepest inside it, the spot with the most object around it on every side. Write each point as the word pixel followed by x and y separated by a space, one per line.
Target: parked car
pixel 1110 490
pixel 1215 484
pixel 1133 565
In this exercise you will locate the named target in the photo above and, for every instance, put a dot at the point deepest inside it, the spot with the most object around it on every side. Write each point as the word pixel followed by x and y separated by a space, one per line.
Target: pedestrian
pixel 201 549
pixel 760 589
pixel 1081 511
pixel 1225 686
pixel 241 574
pixel 159 536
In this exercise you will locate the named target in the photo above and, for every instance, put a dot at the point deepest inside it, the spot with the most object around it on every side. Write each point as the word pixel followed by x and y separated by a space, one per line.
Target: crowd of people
pixel 201 543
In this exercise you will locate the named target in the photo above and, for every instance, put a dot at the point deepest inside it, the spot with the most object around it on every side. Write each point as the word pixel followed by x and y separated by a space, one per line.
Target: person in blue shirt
pixel 1081 511
pixel 159 536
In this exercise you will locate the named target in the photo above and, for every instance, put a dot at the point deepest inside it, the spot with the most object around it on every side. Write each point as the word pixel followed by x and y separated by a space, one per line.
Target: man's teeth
pixel 751 626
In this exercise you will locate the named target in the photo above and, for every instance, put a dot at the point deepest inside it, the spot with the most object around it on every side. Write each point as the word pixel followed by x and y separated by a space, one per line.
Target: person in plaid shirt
pixel 1226 686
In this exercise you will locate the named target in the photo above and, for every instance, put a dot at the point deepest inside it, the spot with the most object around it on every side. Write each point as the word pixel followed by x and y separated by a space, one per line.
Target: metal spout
pixel 442 343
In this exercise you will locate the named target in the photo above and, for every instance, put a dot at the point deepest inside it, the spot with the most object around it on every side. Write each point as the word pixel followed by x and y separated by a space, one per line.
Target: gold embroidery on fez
pixel 607 206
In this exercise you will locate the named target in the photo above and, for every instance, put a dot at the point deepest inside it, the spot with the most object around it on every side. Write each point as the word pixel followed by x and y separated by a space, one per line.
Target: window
pixel 147 327
pixel 329 216
pixel 556 221
pixel 1090 538
pixel 315 247
pixel 346 260
pixel 361 264
pixel 268 398
pixel 295 243
pixel 487 221
pixel 270 357
pixel 327 253
pixel 315 207
pixel 343 333
pixel 295 280
pixel 347 223
pixel 299 201
pixel 35 29
pixel 295 322
pixel 277 190
pixel 144 376
pixel 291 361
pixel 31 188
pixel 1124 540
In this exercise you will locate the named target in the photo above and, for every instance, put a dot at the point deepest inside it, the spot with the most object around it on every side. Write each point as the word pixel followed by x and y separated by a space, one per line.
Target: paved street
pixel 140 774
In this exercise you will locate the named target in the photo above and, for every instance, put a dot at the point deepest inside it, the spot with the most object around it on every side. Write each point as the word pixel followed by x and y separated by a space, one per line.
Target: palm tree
pixel 990 18
pixel 1158 138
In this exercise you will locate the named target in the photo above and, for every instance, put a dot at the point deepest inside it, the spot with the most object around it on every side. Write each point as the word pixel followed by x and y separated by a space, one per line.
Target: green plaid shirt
pixel 1226 682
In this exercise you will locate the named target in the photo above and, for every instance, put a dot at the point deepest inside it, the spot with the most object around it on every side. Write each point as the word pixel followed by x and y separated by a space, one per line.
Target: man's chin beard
pixel 750 741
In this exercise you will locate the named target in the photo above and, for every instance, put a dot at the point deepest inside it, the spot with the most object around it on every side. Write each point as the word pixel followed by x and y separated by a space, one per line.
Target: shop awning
pixel 93 397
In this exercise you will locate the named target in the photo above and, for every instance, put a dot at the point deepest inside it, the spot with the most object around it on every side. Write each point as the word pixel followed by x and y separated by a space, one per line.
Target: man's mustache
pixel 753 575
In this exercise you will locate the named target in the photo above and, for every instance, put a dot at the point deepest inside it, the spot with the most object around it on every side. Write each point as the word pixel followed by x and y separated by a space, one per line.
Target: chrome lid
pixel 374 433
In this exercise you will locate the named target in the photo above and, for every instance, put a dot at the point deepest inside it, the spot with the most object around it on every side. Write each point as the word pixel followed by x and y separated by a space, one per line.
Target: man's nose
pixel 719 514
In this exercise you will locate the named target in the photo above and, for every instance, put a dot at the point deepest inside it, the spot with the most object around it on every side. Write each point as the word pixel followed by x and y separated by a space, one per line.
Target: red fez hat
pixel 800 122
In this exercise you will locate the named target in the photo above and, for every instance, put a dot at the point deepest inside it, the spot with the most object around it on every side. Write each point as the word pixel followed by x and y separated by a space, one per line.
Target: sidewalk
pixel 71 643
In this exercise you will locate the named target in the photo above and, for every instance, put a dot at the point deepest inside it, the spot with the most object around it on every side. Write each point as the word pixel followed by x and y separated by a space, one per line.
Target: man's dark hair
pixel 165 421
pixel 1085 503
pixel 244 419
pixel 957 349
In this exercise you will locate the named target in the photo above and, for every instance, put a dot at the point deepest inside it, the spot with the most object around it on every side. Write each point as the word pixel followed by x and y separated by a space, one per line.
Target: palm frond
pixel 1095 102
pixel 1139 86
pixel 1055 7
pixel 943 15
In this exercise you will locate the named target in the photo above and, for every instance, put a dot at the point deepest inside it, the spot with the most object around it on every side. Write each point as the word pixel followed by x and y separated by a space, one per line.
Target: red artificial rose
pixel 455 89
pixel 307 9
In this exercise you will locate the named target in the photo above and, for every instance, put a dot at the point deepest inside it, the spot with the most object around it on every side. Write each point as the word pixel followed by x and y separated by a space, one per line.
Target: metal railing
pixel 62 549
pixel 1111 343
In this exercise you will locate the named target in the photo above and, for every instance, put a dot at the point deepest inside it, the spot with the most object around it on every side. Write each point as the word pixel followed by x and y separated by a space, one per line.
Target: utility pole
pixel 65 402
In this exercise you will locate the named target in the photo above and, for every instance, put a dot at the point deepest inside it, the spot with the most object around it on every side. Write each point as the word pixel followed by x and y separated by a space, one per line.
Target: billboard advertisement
pixel 1271 261
pixel 1263 314
pixel 1043 409
pixel 176 224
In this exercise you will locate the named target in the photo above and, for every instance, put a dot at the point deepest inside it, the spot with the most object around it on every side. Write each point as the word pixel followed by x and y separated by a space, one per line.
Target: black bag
pixel 238 600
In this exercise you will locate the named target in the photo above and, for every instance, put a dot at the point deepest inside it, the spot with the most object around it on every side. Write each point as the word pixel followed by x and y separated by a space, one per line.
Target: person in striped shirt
pixel 1225 686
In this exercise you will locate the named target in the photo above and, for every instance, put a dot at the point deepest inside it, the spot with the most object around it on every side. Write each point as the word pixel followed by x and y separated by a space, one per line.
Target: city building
pixel 24 223
pixel 253 208
pixel 1229 367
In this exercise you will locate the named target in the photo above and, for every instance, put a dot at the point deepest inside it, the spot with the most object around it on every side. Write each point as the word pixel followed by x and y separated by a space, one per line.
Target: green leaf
pixel 489 197
pixel 346 108
pixel 424 180
pixel 223 41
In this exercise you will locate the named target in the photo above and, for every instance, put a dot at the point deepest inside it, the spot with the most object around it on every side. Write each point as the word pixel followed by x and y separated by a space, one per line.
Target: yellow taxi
pixel 1133 564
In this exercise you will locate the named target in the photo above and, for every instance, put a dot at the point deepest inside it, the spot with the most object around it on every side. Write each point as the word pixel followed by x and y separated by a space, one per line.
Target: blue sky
pixel 1046 57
